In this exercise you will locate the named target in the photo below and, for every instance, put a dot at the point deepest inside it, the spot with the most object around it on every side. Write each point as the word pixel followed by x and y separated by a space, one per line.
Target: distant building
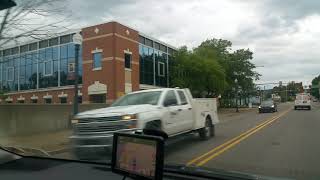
pixel 114 60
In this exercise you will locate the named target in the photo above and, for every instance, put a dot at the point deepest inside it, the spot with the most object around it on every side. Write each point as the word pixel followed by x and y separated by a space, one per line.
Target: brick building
pixel 114 60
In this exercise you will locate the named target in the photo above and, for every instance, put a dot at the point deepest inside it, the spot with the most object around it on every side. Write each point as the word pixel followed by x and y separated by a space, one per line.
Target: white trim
pixel 97 69
pixel 128 88
pixel 21 98
pixel 34 97
pixel 47 96
pixel 79 93
pixel 127 51
pixel 9 99
pixel 164 69
pixel 62 95
pixel 97 50
pixel 44 89
pixel 97 88
pixel 128 69
pixel 44 68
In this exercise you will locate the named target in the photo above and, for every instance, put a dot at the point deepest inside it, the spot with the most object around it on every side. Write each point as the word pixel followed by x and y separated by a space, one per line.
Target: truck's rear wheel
pixel 208 131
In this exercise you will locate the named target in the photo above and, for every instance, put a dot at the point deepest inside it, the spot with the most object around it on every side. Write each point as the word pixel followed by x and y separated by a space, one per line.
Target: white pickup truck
pixel 171 110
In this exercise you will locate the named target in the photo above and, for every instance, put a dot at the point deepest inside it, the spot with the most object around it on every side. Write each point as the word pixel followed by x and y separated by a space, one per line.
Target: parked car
pixel 268 106
pixel 171 110
pixel 303 101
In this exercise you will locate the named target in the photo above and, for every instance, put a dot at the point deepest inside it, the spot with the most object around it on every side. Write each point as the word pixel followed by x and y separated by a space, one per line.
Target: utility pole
pixel 286 93
pixel 77 40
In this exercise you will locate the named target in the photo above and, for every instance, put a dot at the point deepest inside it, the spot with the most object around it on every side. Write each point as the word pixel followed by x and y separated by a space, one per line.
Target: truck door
pixel 186 117
pixel 172 112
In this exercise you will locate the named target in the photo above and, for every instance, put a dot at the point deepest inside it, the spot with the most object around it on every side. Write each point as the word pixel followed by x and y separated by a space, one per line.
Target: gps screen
pixel 136 156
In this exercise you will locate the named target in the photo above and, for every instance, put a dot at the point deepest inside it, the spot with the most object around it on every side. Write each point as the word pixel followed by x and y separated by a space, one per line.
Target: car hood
pixel 117 111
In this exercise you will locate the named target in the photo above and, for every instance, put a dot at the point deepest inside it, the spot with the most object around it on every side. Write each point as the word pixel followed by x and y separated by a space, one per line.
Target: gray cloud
pixel 284 34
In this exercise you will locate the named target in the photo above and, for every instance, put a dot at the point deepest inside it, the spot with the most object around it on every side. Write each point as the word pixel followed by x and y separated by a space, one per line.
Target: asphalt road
pixel 281 144
pixel 286 145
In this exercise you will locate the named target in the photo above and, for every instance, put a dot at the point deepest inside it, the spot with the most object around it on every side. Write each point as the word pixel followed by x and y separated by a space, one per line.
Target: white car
pixel 302 101
pixel 171 110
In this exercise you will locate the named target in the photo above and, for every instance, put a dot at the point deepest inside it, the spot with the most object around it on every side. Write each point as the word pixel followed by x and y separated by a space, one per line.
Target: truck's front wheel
pixel 208 131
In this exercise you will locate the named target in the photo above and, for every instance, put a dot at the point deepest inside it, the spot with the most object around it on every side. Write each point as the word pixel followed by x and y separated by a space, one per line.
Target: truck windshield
pixel 139 98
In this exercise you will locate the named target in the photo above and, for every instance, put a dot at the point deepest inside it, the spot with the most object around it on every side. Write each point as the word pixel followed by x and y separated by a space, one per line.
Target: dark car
pixel 268 106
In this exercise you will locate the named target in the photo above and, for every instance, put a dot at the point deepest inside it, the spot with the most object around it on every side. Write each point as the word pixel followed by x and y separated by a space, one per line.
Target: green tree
pixel 315 87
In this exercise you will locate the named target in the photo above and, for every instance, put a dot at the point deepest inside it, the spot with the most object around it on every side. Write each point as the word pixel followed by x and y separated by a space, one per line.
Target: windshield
pixel 139 98
pixel 267 103
pixel 204 73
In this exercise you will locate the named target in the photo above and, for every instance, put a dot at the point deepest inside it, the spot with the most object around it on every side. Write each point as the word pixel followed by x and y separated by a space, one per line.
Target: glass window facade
pixel 153 66
pixel 43 68
pixel 97 60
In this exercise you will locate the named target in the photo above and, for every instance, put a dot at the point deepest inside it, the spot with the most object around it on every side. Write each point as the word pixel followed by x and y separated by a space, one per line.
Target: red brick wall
pixel 113 39
pixel 54 93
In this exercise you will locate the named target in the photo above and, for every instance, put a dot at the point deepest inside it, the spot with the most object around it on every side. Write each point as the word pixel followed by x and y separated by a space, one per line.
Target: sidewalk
pixel 49 142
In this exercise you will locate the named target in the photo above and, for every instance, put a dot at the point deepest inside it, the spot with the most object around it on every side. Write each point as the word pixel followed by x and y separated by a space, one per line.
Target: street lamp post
pixel 237 107
pixel 77 40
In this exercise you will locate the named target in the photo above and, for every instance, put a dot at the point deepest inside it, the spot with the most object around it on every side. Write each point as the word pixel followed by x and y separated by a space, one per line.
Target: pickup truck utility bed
pixel 171 110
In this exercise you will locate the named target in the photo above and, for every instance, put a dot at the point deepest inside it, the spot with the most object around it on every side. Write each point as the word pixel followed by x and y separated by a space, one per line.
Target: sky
pixel 284 35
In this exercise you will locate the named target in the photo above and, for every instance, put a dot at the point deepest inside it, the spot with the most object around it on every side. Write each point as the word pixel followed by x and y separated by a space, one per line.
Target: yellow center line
pixel 232 140
pixel 239 140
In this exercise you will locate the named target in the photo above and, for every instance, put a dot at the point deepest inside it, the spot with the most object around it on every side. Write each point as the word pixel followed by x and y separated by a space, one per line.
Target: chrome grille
pixel 100 119
pixel 97 127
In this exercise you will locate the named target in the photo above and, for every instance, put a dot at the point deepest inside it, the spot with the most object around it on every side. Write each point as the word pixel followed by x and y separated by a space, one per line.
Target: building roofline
pixel 70 31
pixel 25 42
pixel 157 40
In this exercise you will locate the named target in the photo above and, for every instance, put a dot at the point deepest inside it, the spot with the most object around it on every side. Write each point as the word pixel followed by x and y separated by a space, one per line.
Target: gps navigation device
pixel 138 156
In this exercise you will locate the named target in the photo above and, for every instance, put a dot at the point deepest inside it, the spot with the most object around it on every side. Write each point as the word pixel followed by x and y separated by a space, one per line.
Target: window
pixel 7 52
pixel 157 45
pixel 24 48
pixel 10 74
pixel 97 98
pixel 33 46
pixel 97 60
pixel 47 68
pixel 21 101
pixel 15 50
pixel 63 100
pixel 163 48
pixel 71 67
pixel 48 100
pixel 170 99
pixel 53 41
pixel 148 42
pixel 141 39
pixel 161 69
pixel 65 39
pixel 182 98
pixel 43 44
pixel 170 51
pixel 127 60
pixel 34 101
